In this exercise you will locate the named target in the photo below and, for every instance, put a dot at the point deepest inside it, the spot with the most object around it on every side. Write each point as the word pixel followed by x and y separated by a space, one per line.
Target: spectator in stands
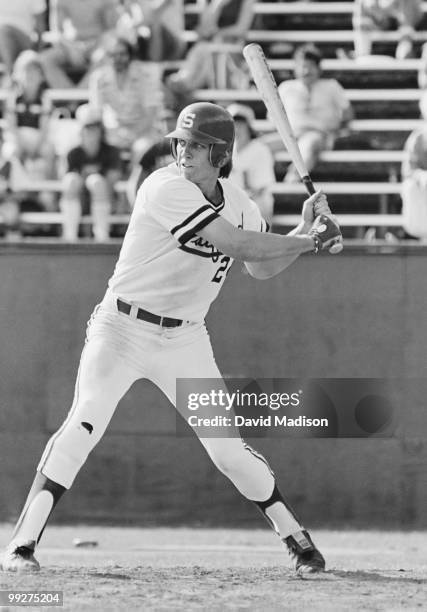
pixel 81 28
pixel 27 121
pixel 373 15
pixel 253 163
pixel 21 23
pixel 93 168
pixel 157 155
pixel 155 27
pixel 223 21
pixel 414 186
pixel 318 108
pixel 27 152
pixel 129 94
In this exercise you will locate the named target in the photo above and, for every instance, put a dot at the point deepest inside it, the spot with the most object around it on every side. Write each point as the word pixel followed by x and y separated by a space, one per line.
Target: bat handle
pixel 308 184
pixel 310 188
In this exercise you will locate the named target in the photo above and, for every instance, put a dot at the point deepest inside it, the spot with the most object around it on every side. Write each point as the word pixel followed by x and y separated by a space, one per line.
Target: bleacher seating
pixel 291 8
pixel 383 91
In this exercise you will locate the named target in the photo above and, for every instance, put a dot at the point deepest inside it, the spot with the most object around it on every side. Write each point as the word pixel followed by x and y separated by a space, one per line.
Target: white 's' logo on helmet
pixel 188 120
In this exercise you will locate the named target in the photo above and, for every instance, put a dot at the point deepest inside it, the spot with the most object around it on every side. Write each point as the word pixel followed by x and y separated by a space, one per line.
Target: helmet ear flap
pixel 218 153
pixel 173 143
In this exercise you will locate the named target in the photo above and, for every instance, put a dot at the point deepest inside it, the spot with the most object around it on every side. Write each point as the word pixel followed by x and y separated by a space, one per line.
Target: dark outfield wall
pixel 362 314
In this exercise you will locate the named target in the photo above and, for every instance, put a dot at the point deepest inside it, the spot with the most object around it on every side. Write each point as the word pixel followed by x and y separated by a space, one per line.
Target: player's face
pixel 193 162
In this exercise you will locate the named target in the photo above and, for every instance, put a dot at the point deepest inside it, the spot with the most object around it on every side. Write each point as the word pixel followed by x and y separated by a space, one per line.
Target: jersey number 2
pixel 222 270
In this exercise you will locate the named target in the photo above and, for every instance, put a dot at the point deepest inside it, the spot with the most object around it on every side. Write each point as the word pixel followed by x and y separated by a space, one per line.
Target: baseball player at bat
pixel 188 225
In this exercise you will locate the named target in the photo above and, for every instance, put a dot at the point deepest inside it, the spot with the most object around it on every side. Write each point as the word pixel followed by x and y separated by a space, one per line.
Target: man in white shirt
pixel 317 108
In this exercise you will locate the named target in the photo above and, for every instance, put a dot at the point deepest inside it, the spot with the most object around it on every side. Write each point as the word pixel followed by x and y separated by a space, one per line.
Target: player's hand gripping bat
pixel 267 87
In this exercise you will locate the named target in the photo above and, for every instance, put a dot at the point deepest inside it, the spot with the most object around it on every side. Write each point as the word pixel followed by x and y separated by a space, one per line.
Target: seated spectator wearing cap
pixel 372 15
pixel 129 94
pixel 93 168
pixel 318 108
pixel 81 28
pixel 253 163
pixel 414 185
pixel 21 21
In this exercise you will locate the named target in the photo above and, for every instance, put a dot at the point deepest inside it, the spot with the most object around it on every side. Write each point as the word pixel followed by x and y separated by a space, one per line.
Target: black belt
pixel 144 315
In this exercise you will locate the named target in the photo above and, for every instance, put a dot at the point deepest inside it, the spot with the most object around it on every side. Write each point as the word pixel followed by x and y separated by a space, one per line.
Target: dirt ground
pixel 212 570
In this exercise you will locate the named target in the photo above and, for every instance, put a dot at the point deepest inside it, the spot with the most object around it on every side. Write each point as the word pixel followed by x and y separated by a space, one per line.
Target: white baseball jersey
pixel 162 243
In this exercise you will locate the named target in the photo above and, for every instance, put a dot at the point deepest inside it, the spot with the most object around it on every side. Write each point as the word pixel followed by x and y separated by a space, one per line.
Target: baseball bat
pixel 267 87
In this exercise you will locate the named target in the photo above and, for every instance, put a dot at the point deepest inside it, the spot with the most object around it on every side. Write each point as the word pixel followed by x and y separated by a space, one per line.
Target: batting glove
pixel 326 234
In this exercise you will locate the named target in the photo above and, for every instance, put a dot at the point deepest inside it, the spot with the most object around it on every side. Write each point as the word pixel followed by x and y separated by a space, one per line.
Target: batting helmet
pixel 208 124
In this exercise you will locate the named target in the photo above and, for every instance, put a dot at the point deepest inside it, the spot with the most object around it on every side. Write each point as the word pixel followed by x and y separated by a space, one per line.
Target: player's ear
pixel 224 159
pixel 225 169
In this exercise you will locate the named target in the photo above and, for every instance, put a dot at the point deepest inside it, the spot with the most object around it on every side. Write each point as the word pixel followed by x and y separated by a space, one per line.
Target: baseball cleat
pixel 304 554
pixel 20 558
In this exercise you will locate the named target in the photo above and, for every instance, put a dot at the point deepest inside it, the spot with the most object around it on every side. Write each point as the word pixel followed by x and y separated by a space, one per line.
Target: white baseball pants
pixel 120 349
